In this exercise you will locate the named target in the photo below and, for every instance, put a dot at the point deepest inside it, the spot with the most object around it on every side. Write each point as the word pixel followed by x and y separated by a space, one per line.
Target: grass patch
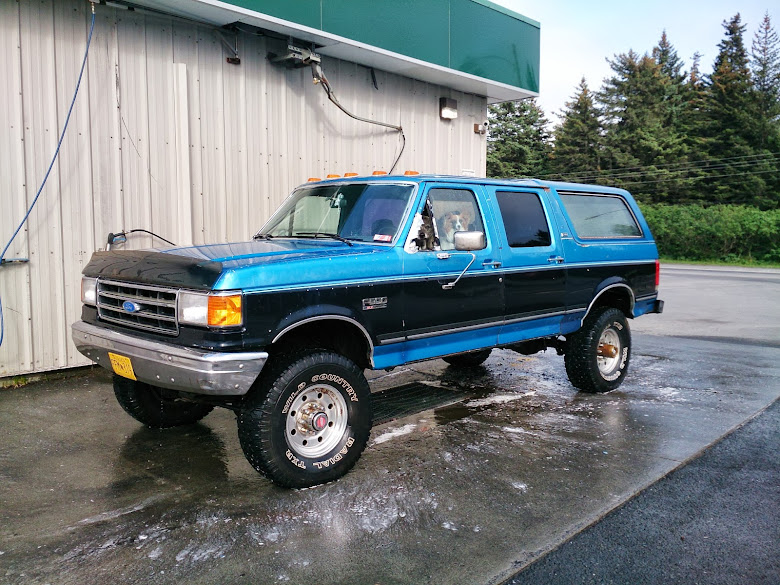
pixel 735 263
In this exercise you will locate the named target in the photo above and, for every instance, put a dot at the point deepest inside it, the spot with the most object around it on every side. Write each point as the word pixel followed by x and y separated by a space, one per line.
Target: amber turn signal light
pixel 224 311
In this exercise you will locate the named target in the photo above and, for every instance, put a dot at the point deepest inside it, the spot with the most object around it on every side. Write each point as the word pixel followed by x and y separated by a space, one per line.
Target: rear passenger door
pixel 534 270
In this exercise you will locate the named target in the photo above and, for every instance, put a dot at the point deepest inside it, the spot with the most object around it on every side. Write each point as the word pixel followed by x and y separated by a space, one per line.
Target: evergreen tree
pixel 766 77
pixel 695 78
pixel 642 141
pixel 666 56
pixel 578 139
pixel 692 125
pixel 519 140
pixel 672 81
pixel 666 135
pixel 738 171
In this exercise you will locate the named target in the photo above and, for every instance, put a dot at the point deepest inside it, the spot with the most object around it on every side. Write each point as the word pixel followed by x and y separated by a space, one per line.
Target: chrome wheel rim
pixel 608 352
pixel 316 421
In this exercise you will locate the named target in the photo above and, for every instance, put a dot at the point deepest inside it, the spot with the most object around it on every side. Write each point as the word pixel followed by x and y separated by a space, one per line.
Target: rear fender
pixel 613 292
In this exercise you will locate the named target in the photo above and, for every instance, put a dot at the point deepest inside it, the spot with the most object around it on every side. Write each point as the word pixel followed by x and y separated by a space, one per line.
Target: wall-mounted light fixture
pixel 448 108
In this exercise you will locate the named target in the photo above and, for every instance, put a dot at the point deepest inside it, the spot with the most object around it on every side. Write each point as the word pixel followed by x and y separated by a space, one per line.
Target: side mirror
pixel 470 241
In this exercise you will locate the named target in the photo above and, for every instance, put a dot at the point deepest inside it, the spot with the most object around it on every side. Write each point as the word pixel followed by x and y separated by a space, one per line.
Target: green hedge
pixel 731 233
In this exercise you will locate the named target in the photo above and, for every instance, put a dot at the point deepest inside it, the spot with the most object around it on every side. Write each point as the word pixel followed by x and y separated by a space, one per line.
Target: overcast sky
pixel 577 37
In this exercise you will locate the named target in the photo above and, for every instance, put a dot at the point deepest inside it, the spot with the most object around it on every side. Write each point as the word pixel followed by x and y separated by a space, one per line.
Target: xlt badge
pixel 374 303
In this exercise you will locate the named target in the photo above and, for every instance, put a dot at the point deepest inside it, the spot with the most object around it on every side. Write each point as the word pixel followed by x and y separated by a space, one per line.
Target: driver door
pixel 439 320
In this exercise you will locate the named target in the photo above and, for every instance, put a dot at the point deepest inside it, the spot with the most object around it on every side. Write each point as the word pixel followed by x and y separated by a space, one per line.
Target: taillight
pixel 657 274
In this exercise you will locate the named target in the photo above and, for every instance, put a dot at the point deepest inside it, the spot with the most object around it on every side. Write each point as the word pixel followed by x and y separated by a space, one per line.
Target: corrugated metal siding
pixel 167 136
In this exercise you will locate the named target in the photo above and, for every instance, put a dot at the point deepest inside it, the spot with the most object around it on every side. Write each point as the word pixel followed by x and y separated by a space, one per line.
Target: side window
pixel 454 210
pixel 524 219
pixel 600 216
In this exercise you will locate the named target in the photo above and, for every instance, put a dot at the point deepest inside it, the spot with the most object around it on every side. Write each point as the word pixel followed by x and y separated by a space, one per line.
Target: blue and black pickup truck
pixel 367 273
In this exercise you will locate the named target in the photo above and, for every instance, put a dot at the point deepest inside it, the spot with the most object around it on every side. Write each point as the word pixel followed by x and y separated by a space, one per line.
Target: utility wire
pixel 51 165
pixel 703 162
pixel 740 174
pixel 676 173
pixel 683 166
pixel 319 77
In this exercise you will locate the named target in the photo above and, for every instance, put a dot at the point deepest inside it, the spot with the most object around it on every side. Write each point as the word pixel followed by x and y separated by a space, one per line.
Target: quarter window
pixel 600 216
pixel 524 219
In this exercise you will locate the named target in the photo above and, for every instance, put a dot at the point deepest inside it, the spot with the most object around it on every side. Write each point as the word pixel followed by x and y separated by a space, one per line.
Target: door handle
pixel 555 259
pixel 489 262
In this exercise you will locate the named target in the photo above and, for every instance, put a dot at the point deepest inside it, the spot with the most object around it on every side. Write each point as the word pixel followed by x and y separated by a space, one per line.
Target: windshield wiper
pixel 259 236
pixel 324 235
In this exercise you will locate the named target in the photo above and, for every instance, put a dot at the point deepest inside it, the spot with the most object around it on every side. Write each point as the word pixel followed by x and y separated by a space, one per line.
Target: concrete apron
pixel 463 493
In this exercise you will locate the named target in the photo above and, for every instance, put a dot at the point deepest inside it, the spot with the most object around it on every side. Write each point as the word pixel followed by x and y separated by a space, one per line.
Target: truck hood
pixel 234 265
pixel 266 251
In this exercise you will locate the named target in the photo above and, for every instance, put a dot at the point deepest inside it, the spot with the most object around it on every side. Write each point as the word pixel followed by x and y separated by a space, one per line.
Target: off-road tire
pixel 586 369
pixel 156 407
pixel 468 360
pixel 277 424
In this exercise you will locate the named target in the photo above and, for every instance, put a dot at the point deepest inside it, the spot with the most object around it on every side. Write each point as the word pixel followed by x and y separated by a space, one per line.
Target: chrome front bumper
pixel 172 366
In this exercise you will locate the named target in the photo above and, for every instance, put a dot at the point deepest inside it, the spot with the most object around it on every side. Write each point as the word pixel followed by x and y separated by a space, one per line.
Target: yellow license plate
pixel 122 365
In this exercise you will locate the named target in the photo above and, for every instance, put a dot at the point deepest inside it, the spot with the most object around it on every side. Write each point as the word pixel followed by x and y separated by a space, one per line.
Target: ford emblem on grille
pixel 131 307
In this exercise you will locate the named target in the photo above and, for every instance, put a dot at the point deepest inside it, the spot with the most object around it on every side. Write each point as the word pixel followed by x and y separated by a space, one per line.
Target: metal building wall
pixel 167 136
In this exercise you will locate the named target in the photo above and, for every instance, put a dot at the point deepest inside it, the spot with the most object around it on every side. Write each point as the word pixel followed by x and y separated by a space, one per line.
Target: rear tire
pixel 468 360
pixel 308 419
pixel 156 407
pixel 596 370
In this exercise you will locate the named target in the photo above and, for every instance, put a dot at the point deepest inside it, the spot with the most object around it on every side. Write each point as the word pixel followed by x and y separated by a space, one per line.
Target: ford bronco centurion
pixel 359 273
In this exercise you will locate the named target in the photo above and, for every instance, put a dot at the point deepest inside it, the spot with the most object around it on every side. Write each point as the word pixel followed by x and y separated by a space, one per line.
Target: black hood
pixel 157 268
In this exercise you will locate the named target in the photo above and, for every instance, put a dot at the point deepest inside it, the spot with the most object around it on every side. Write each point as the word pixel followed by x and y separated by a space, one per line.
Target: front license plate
pixel 122 365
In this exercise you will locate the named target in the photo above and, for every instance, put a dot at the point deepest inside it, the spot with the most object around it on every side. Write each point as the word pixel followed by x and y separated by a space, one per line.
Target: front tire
pixel 308 421
pixel 156 407
pixel 597 355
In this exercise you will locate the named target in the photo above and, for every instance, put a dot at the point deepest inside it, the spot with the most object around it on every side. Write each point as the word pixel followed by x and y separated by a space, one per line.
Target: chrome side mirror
pixel 470 241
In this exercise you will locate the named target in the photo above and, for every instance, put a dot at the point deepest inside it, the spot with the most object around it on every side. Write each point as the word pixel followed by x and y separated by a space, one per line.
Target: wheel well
pixel 337 335
pixel 618 296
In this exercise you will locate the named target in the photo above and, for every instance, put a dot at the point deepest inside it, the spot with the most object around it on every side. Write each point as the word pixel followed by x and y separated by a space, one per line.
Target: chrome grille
pixel 157 306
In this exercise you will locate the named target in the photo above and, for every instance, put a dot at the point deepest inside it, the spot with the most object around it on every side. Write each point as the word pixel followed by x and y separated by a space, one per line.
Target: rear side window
pixel 600 216
pixel 524 219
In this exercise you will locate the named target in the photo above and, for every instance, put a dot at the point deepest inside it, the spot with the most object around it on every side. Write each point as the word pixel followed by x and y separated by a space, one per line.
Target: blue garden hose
pixel 3 261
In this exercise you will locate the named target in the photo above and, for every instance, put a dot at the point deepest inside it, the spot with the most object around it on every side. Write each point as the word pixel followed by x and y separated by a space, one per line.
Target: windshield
pixel 353 211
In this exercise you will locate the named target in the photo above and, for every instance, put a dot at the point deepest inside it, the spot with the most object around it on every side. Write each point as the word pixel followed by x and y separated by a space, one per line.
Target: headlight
pixel 89 291
pixel 210 310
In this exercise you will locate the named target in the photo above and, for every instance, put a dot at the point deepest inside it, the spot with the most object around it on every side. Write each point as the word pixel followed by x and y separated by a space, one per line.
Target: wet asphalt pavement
pixel 473 476
pixel 715 521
